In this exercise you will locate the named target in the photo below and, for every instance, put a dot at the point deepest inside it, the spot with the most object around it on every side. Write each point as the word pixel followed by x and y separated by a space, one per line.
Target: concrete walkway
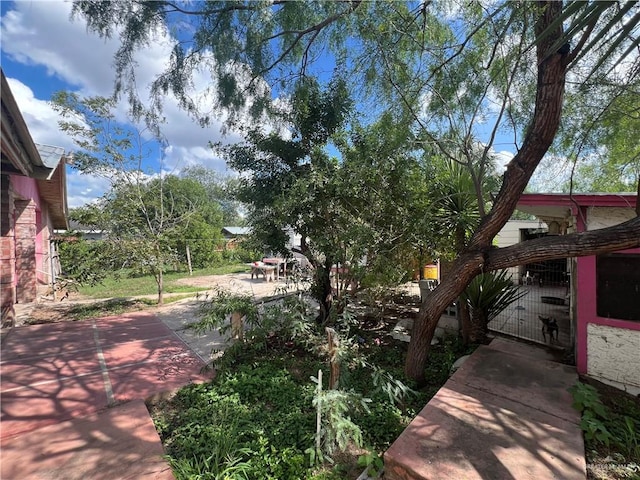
pixel 72 404
pixel 58 382
pixel 72 394
pixel 504 415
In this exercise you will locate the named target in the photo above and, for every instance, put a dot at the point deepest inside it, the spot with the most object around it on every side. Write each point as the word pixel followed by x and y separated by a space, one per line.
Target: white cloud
pixel 502 158
pixel 83 189
pixel 40 33
pixel 41 119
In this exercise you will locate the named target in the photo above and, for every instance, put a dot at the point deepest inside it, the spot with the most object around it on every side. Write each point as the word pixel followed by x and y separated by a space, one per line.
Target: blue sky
pixel 43 52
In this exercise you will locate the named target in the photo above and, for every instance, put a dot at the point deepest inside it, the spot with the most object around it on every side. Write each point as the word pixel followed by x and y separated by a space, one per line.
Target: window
pixel 618 286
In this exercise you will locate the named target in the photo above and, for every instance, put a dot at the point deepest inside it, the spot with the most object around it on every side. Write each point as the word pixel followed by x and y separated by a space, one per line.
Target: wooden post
pixel 52 266
pixel 237 329
pixel 334 363
pixel 189 260
pixel 319 413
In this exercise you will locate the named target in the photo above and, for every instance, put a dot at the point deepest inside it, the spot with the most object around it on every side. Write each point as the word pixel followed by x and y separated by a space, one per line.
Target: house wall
pixel 614 354
pixel 7 249
pixel 25 240
pixel 511 235
pixel 44 228
pixel 607 348
pixel 26 229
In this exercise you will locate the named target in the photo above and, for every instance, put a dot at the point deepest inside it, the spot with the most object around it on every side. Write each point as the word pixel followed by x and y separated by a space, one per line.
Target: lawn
pixel 124 284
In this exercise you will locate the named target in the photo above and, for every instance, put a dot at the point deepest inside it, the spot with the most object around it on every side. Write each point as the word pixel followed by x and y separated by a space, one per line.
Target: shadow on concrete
pixel 58 381
pixel 502 415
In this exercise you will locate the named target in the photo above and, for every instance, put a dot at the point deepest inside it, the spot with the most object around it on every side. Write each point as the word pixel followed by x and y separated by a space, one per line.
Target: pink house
pixel 32 205
pixel 605 289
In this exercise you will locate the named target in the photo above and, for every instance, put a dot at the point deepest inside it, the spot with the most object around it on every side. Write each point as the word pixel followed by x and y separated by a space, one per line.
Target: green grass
pixel 124 285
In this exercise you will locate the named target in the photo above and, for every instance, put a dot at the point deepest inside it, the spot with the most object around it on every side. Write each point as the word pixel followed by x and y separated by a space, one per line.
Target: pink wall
pixel 586 310
pixel 26 188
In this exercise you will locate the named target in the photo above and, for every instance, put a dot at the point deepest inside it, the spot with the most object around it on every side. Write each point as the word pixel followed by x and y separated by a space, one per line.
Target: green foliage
pixel 221 190
pixel 82 261
pixel 337 430
pixel 616 431
pixel 372 462
pixel 488 294
pixel 269 371
pixel 264 325
pixel 594 414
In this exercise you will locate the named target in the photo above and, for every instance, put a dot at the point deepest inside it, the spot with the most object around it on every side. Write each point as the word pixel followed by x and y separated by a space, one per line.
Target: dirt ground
pixel 72 306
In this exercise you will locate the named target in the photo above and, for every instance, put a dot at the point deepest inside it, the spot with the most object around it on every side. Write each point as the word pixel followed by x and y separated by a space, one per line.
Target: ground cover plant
pixel 259 417
pixel 611 426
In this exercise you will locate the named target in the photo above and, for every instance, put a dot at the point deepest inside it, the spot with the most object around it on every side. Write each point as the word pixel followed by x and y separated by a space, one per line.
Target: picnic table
pixel 278 263
pixel 261 268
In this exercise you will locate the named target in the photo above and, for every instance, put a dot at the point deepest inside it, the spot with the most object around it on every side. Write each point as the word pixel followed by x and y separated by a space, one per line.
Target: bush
pixel 83 261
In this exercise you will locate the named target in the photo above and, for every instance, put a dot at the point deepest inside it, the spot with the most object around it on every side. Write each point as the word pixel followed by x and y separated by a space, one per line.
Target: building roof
pixel 564 205
pixel 22 156
pixel 236 231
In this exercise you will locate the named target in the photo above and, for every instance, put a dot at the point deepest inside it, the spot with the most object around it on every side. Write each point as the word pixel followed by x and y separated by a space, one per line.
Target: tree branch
pixel 619 237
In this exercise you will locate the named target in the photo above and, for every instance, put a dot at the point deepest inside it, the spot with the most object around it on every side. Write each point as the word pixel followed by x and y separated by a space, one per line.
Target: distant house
pixel 603 300
pixel 233 235
pixel 87 233
pixel 33 204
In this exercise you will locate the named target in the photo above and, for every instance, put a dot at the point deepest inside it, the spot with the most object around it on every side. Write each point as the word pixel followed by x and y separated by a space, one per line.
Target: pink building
pixel 605 289
pixel 33 204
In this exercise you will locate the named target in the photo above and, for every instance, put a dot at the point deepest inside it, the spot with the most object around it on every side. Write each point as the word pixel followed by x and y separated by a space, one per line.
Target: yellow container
pixel 430 272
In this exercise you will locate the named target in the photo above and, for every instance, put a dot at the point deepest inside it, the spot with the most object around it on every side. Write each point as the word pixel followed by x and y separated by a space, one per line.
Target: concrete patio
pixel 58 382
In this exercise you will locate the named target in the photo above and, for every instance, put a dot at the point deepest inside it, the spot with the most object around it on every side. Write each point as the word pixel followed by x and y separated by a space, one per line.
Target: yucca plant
pixel 487 295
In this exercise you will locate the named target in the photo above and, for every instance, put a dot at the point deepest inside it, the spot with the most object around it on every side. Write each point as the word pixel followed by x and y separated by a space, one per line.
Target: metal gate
pixel 542 314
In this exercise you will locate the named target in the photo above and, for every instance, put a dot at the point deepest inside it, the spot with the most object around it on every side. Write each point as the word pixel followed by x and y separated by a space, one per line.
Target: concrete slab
pixel 45 403
pixel 500 416
pixel 83 368
pixel 538 384
pixel 179 316
pixel 120 442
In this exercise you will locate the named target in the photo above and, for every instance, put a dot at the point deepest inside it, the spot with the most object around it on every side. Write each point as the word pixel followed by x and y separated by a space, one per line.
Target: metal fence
pixel 542 314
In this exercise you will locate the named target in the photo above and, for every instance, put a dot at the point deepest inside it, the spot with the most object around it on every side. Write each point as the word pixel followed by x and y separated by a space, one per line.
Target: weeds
pixel 612 437
pixel 263 398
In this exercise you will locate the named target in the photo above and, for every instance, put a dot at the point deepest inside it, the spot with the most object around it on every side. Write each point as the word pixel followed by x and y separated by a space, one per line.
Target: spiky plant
pixel 487 295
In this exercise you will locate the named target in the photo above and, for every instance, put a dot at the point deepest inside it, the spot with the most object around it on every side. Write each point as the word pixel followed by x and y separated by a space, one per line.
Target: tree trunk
pixel 462 312
pixel 322 292
pixel 321 289
pixel 540 135
pixel 479 327
pixel 464 320
pixel 160 281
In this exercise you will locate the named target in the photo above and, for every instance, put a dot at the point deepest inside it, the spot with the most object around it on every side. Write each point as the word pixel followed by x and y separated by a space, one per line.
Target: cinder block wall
pixel 25 232
pixel 7 254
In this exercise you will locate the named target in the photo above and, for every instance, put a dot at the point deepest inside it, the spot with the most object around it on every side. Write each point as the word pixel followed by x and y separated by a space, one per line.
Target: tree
pixel 291 183
pixel 197 220
pixel 507 62
pixel 148 218
pixel 385 190
pixel 221 190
